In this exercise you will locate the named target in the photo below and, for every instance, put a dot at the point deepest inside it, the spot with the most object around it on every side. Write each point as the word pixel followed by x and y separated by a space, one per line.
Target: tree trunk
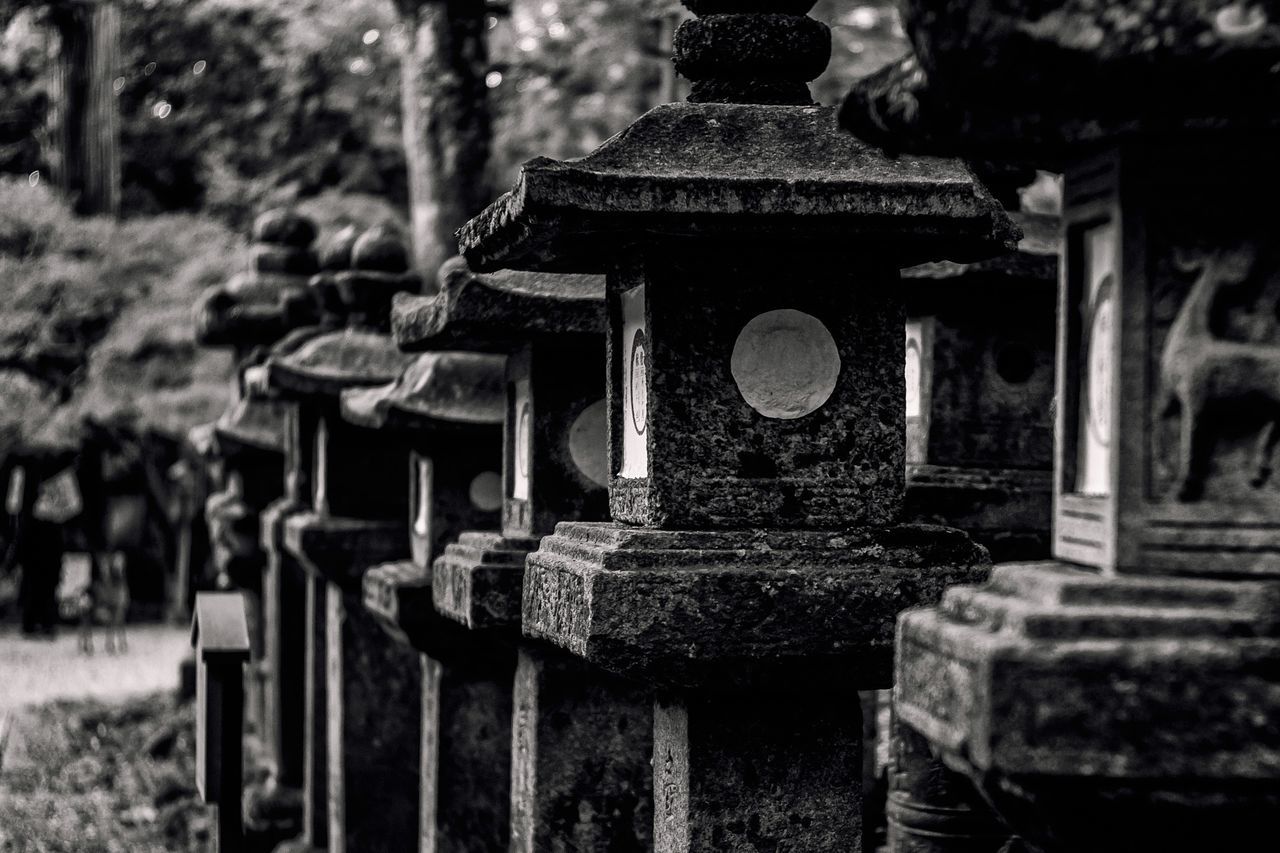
pixel 84 120
pixel 446 123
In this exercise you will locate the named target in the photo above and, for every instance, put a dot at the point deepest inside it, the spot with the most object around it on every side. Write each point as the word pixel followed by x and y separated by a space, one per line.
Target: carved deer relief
pixel 1199 369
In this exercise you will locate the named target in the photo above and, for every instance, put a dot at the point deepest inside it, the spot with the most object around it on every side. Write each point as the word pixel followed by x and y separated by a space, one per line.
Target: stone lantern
pixel 980 386
pixel 755 563
pixel 581 740
pixel 448 405
pixel 356 519
pixel 1124 696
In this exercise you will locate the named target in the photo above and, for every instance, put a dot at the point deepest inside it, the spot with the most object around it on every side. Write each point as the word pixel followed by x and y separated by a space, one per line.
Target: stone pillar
pixel 1119 697
pixel 449 406
pixel 362 692
pixel 579 750
pixel 756 433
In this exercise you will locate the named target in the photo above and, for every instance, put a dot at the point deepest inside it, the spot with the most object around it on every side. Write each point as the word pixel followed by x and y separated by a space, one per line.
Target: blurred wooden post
pixel 220 635
pixel 84 120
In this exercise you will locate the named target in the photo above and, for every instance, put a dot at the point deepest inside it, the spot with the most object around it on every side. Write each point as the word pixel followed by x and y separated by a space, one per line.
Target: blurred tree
pixel 445 115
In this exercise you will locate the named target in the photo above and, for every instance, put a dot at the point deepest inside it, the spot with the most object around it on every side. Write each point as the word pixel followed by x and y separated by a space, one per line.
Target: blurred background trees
pixel 227 106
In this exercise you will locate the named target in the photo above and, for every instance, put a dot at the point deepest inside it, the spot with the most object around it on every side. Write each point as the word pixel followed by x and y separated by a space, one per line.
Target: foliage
pixel 231 104
pixel 97 312
pixel 106 778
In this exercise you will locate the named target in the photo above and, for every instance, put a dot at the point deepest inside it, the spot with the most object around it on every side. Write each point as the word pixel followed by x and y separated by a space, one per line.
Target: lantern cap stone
pixel 219 628
pixel 1033 80
pixel 438 390
pixel 253 423
pixel 325 364
pixel 282 226
pixel 736 172
pixel 497 311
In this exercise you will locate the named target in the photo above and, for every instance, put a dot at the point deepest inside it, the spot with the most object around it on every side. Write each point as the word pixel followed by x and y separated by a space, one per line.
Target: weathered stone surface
pixel 698 438
pixel 437 391
pixel 1007 511
pixel 374 717
pixel 493 312
pixel 729 171
pixel 931 808
pixel 1031 80
pixel 758 57
pixel 366 294
pixel 478 579
pixel 757 771
pixel 581 747
pixel 686 609
pixel 342 549
pixel 253 309
pixel 466 754
pixel 380 249
pixel 1077 699
pixel 325 364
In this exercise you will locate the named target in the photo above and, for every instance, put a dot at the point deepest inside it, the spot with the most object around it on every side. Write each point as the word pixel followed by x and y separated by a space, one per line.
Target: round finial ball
pixel 380 249
pixel 335 252
pixel 283 227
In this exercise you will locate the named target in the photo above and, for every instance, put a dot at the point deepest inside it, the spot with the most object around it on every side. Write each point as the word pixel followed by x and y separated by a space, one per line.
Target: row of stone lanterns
pixel 703 319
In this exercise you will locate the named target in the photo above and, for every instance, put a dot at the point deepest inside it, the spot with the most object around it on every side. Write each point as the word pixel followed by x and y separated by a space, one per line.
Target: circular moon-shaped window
pixel 587 443
pixel 785 364
pixel 639 384
pixel 524 429
pixel 486 491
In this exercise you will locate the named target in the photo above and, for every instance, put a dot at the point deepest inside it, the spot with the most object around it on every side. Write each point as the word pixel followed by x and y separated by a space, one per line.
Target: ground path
pixel 33 672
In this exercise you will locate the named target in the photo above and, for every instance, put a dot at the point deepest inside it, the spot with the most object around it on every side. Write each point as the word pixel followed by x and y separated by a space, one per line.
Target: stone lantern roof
pixel 437 390
pixel 253 423
pixel 1029 81
pixel 490 313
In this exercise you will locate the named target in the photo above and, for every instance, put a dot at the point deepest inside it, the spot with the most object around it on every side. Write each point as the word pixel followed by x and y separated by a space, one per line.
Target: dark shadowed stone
pixel 581 746
pixel 931 808
pixel 267 258
pixel 493 312
pixel 437 390
pixel 375 719
pixel 334 252
pixel 342 549
pixel 1100 713
pixel 254 422
pixel 366 294
pixel 325 364
pixel 684 609
pixel 757 771
pixel 740 172
pixel 748 47
pixel 283 227
pixel 381 250
pixel 1028 80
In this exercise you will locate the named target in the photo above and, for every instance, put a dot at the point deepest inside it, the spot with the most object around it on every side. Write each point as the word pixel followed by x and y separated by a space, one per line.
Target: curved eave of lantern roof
pixel 1032 81
pixel 439 391
pixel 495 312
pixel 329 363
pixel 253 424
pixel 737 172
pixel 1035 259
